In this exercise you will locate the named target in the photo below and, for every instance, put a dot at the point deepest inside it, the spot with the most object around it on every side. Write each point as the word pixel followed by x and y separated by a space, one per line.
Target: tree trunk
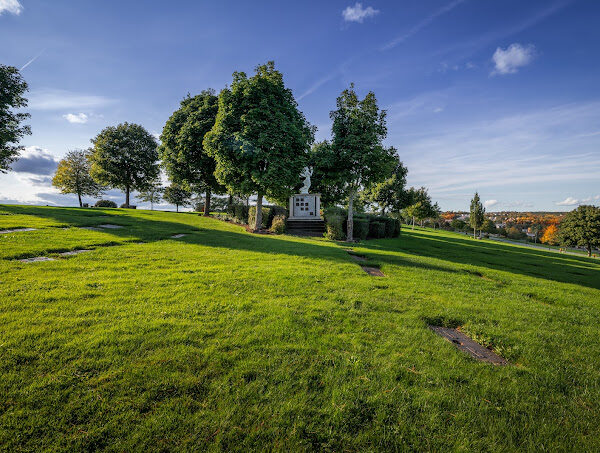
pixel 207 203
pixel 474 232
pixel 177 207
pixel 350 223
pixel 152 203
pixel 80 203
pixel 258 222
pixel 229 201
pixel 127 196
pixel 589 250
pixel 413 223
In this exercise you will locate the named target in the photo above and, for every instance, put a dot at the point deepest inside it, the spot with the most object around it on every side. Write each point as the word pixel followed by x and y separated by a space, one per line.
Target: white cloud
pixel 569 201
pixel 10 6
pixel 76 118
pixel 358 14
pixel 490 203
pixel 515 56
pixel 52 99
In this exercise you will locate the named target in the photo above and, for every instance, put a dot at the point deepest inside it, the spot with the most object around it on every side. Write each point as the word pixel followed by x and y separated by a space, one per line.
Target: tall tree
pixel 152 194
pixel 391 194
pixel 581 227
pixel 550 235
pixel 356 159
pixel 73 175
pixel 477 214
pixel 12 89
pixel 177 195
pixel 182 150
pixel 125 157
pixel 260 139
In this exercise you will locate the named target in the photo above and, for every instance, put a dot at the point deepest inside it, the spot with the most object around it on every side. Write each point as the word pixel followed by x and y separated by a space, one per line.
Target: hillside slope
pixel 227 340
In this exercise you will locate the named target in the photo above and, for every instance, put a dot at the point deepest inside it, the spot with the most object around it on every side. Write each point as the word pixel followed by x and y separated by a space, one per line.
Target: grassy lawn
pixel 224 340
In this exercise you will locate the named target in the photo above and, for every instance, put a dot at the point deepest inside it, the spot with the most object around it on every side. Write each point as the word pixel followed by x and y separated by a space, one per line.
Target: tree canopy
pixel 177 195
pixel 356 158
pixel 12 90
pixel 477 214
pixel 581 227
pixel 125 157
pixel 182 150
pixel 260 140
pixel 73 175
pixel 391 194
pixel 152 194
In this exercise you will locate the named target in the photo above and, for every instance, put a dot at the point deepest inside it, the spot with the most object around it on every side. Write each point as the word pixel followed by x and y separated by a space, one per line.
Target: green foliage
pixel 12 90
pixel 476 217
pixel 177 195
pixel 356 158
pixel 182 150
pixel 125 157
pixel 275 211
pixel 152 194
pixel 488 226
pixel 376 229
pixel 73 175
pixel 515 233
pixel 334 225
pixel 391 195
pixel 260 140
pixel 361 226
pixel 105 204
pixel 264 217
pixel 239 212
pixel 458 225
pixel 581 227
pixel 278 224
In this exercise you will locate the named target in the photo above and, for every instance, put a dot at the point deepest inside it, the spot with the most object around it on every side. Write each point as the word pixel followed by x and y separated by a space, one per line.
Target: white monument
pixel 305 206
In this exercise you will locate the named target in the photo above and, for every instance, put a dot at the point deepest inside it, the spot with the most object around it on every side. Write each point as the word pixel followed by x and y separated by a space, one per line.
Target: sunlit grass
pixel 226 340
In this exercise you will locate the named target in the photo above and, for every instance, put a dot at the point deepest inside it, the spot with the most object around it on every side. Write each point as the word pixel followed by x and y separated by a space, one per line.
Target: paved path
pixel 539 247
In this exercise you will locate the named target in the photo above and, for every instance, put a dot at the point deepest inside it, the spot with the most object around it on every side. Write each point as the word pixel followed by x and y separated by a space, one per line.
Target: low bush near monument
pixel 278 224
pixel 105 204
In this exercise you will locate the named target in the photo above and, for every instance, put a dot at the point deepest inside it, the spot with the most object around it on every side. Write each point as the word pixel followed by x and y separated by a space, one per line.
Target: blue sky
pixel 499 96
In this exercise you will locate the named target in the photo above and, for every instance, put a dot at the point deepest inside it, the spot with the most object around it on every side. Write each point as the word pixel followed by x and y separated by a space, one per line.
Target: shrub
pixel 252 216
pixel 361 227
pixel 334 226
pixel 128 206
pixel 275 211
pixel 334 211
pixel 376 229
pixel 238 213
pixel 278 224
pixel 105 204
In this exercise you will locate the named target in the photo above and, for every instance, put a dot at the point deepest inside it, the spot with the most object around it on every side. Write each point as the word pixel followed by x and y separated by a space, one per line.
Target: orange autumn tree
pixel 549 236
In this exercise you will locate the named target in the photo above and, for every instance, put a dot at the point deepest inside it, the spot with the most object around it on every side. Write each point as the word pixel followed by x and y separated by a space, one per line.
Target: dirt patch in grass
pixel 16 230
pixel 36 259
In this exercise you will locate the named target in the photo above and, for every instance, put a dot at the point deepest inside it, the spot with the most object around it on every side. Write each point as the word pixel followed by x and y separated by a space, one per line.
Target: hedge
pixel 105 204
pixel 365 225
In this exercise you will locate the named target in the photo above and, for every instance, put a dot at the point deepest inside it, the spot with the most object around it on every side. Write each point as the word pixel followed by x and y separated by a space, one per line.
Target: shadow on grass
pixel 519 260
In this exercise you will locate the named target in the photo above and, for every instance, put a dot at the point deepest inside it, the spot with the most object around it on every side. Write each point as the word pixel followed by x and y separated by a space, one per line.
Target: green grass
pixel 223 340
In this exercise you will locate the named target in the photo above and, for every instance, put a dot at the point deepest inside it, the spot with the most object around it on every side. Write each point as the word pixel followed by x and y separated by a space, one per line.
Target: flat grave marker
pixel 74 252
pixel 110 226
pixel 37 259
pixel 17 230
pixel 373 271
pixel 177 236
pixel 468 345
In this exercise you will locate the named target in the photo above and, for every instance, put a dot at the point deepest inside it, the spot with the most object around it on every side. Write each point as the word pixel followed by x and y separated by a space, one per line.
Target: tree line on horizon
pixel 250 139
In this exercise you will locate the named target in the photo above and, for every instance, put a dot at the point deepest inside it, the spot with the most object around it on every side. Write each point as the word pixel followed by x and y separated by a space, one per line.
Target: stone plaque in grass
pixel 16 230
pixel 177 236
pixel 110 226
pixel 74 252
pixel 468 345
pixel 373 271
pixel 36 259
pixel 358 257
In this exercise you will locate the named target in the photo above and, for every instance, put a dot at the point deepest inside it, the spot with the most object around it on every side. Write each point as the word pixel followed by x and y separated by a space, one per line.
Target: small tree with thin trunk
pixel 153 194
pixel 125 157
pixel 581 227
pixel 73 176
pixel 477 214
pixel 355 159
pixel 260 140
pixel 177 195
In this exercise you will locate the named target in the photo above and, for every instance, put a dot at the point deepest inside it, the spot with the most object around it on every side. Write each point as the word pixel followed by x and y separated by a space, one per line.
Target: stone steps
pixel 306 227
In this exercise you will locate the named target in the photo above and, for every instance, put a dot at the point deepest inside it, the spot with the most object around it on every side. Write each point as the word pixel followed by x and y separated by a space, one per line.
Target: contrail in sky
pixel 424 23
pixel 32 60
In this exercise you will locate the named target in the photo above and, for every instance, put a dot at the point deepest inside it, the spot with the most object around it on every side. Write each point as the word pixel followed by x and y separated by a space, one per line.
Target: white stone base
pixel 305 206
